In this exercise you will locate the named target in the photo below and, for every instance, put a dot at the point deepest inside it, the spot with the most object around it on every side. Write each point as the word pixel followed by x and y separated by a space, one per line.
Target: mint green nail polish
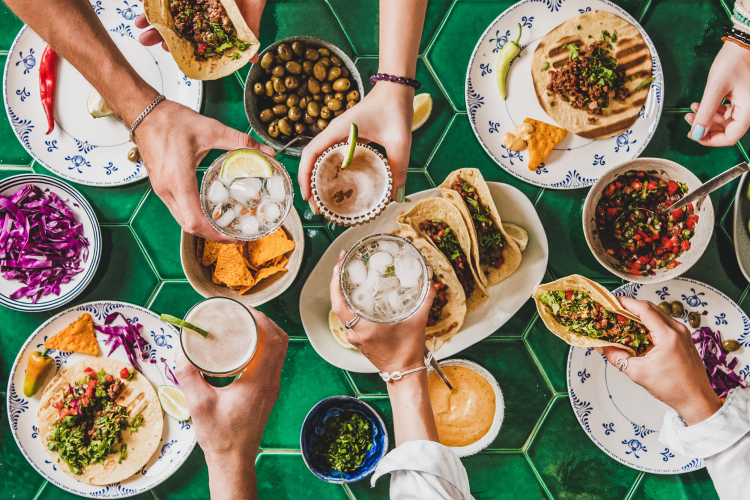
pixel 400 192
pixel 698 132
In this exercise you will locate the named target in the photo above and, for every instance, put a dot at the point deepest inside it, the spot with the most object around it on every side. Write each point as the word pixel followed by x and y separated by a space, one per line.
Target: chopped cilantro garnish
pixel 573 48
pixel 345 441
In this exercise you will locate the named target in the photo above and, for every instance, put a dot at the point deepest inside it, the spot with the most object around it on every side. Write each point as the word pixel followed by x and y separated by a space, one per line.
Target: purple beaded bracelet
pixel 381 77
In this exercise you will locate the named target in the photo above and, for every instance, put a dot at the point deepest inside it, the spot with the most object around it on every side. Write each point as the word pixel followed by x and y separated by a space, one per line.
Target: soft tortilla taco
pixel 208 39
pixel 441 224
pixel 448 310
pixel 585 314
pixel 133 419
pixel 497 254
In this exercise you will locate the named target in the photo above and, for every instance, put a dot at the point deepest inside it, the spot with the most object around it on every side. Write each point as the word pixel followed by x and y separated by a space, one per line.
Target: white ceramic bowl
pixel 667 170
pixel 497 422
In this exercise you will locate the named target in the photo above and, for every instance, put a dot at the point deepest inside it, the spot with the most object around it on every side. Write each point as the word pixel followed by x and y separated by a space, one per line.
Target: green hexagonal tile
pixel 12 151
pixel 160 235
pixel 460 147
pixel 291 163
pixel 112 205
pixel 551 352
pixel 24 324
pixel 224 100
pixel 517 324
pixel 570 464
pixel 6 172
pixel 18 478
pixel 368 383
pixel 189 482
pixel 525 392
pixel 10 25
pixel 496 476
pixel 300 391
pixel 696 484
pixel 52 492
pixel 175 298
pixel 286 477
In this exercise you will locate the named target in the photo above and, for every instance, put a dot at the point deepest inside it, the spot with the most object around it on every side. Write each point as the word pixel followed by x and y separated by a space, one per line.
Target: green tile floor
pixel 541 451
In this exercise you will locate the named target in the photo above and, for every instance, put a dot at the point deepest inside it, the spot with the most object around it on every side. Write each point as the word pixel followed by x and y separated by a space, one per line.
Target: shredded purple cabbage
pixel 128 336
pixel 41 243
pixel 720 374
pixel 168 373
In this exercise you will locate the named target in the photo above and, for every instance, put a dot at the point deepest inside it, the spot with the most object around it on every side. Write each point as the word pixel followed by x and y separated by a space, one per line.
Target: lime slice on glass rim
pixel 352 146
pixel 96 105
pixel 173 402
pixel 168 318
pixel 246 163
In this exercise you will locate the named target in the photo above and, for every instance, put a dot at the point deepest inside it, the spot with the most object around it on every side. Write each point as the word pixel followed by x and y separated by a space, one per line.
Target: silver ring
pixel 622 363
pixel 350 324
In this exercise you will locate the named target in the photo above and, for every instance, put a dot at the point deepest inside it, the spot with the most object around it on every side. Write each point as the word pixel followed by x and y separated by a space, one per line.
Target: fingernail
pixel 313 208
pixel 693 108
pixel 400 192
pixel 685 117
pixel 698 132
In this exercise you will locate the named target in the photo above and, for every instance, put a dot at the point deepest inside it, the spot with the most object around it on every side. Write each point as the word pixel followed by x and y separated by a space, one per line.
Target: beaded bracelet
pixel 385 77
pixel 733 34
pixel 741 10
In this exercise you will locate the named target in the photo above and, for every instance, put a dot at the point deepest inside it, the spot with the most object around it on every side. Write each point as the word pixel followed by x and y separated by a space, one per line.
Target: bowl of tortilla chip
pixel 251 272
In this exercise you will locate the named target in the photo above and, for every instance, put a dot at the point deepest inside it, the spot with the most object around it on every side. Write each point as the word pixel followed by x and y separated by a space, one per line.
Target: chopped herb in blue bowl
pixel 343 439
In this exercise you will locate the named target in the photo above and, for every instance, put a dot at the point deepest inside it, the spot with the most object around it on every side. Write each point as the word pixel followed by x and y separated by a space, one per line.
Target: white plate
pixel 178 438
pixel 491 116
pixel 621 417
pixel 81 148
pixel 83 214
pixel 506 298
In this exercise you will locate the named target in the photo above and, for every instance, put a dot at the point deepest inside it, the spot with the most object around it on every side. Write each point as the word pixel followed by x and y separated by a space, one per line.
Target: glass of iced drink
pixel 246 194
pixel 232 338
pixel 384 278
pixel 353 195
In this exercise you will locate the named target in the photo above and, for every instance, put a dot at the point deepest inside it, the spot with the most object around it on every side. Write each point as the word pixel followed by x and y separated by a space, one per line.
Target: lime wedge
pixel 246 163
pixel 96 105
pixel 173 402
pixel 352 146
pixel 422 110
pixel 167 318
pixel 337 330
pixel 518 234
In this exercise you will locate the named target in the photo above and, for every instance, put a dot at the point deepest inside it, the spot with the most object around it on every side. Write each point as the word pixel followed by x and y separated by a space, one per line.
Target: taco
pixel 448 309
pixel 498 255
pixel 440 223
pixel 104 427
pixel 585 314
pixel 599 74
pixel 208 39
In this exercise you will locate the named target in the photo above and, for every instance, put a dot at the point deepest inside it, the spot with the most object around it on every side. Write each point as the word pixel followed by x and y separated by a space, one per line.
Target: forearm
pixel 233 477
pixel 401 24
pixel 73 29
pixel 412 413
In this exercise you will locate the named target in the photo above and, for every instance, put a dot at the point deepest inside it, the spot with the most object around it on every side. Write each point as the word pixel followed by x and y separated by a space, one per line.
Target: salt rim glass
pixel 233 371
pixel 348 258
pixel 212 174
pixel 360 219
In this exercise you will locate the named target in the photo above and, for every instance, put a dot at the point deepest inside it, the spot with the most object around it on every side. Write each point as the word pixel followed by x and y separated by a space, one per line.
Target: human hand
pixel 251 10
pixel 672 371
pixel 229 421
pixel 714 124
pixel 388 347
pixel 384 116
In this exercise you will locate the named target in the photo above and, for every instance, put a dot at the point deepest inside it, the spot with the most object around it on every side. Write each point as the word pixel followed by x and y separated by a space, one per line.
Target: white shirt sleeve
pixel 722 441
pixel 424 470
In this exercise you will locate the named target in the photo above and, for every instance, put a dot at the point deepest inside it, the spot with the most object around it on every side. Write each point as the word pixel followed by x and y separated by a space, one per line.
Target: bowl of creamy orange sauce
pixel 469 417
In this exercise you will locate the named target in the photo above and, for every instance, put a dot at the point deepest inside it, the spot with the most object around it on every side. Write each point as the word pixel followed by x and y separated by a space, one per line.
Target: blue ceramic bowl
pixel 312 431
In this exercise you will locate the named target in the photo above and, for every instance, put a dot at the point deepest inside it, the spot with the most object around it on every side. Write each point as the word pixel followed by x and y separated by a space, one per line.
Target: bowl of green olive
pixel 298 86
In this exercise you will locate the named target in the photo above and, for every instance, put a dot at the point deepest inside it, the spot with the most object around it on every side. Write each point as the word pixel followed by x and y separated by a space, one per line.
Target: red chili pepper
pixel 47 82
pixel 124 373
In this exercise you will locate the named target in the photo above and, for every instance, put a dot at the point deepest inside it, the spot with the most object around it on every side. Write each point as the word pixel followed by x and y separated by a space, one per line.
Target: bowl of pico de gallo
pixel 629 238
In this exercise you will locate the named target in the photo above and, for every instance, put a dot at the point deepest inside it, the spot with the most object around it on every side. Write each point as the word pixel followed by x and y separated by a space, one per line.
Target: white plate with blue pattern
pixel 83 149
pixel 178 438
pixel 621 417
pixel 84 214
pixel 575 162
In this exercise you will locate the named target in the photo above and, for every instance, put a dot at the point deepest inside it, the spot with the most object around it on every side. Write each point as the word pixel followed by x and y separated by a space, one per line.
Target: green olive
pixel 341 85
pixel 731 345
pixel 317 97
pixel 279 98
pixel 273 130
pixel 278 71
pixel 326 113
pixel 339 112
pixel 269 88
pixel 313 85
pixel 313 109
pixel 353 96
pixel 336 60
pixel 320 71
pixel 694 319
pixel 291 82
pixel 293 67
pixel 324 52
pixel 266 61
pixel 295 114
pixel 298 48
pixel 339 96
pixel 302 103
pixel 310 120
pixel 293 100
pixel 350 104
pixel 326 98
pixel 311 55
pixel 259 89
pixel 345 72
pixel 677 309
pixel 277 61
pixel 326 88
pixel 300 128
pixel 266 115
pixel 325 62
pixel 322 124
pixel 307 67
pixel 285 126
pixel 284 52
pixel 334 104
pixel 274 122
pixel 333 74
pixel 134 155
pixel 278 85
pixel 280 109
pixel 666 307
pixel 302 91
pixel 268 71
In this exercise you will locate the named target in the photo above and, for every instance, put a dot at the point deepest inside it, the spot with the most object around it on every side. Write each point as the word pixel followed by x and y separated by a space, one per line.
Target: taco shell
pixel 439 208
pixel 511 253
pixel 160 17
pixel 599 294
pixel 137 396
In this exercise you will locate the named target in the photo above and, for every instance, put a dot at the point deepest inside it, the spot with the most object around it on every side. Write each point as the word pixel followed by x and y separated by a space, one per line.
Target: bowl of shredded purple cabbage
pixel 50 242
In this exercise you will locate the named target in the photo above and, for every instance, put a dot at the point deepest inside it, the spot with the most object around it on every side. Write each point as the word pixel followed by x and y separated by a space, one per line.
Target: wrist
pixel 700 409
pixel 232 476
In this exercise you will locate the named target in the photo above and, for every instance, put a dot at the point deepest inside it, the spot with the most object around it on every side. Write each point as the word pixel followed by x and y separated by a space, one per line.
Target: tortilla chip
pixel 268 248
pixel 200 245
pixel 282 261
pixel 230 268
pixel 543 139
pixel 79 336
pixel 211 252
pixel 244 289
pixel 268 271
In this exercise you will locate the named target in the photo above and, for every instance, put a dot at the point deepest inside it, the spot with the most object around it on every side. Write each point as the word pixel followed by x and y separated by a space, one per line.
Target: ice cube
pixel 226 180
pixel 408 269
pixel 408 296
pixel 389 246
pixel 380 261
pixel 246 190
pixel 357 272
pixel 248 225
pixel 275 188
pixel 387 284
pixel 363 298
pixel 224 214
pixel 269 211
pixel 217 193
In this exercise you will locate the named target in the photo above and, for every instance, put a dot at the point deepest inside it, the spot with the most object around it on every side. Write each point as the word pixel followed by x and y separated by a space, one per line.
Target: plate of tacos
pixel 83 406
pixel 488 251
pixel 558 92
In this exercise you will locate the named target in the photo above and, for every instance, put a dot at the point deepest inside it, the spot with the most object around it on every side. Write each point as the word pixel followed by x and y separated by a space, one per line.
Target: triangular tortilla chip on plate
pixel 79 336
pixel 544 138
pixel 230 268
pixel 268 248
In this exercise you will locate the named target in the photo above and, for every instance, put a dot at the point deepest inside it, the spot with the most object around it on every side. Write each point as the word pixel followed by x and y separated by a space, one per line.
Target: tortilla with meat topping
pixel 585 314
pixel 208 39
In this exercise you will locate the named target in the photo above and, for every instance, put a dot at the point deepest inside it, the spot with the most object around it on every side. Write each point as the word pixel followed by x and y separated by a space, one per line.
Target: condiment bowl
pixel 667 170
pixel 312 431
